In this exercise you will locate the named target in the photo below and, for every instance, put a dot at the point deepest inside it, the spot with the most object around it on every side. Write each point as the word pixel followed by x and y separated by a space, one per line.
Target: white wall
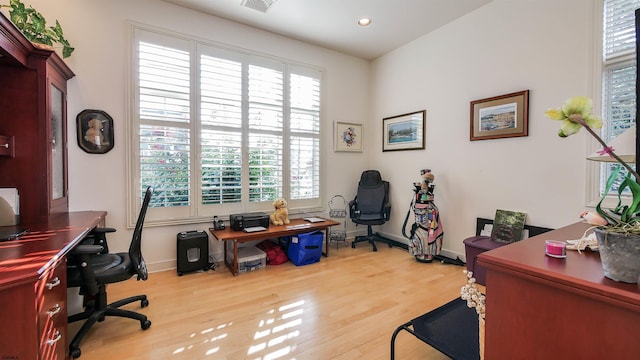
pixel 98 31
pixel 506 46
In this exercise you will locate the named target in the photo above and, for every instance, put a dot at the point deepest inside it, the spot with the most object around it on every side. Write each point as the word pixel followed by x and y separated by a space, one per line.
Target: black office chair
pixel 91 269
pixel 370 206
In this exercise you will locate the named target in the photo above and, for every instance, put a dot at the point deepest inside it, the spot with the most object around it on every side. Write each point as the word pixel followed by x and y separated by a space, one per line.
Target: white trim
pixel 594 67
pixel 198 46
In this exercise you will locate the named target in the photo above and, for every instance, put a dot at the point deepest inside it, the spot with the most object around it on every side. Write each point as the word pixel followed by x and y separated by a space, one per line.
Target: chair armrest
pixel 87 249
pixel 102 230
pixel 386 212
pixel 97 236
pixel 353 213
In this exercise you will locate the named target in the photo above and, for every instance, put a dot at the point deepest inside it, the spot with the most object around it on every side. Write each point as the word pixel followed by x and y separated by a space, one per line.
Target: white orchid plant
pixel 576 114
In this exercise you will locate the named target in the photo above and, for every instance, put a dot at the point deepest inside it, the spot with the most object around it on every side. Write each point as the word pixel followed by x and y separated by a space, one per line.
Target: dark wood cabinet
pixel 33 116
pixel 540 307
pixel 33 286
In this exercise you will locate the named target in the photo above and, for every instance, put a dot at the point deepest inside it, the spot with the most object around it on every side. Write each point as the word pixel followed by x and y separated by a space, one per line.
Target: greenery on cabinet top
pixel 34 26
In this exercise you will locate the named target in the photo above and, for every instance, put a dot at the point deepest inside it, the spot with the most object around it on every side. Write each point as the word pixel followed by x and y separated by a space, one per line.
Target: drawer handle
pixel 54 283
pixel 6 146
pixel 57 338
pixel 54 310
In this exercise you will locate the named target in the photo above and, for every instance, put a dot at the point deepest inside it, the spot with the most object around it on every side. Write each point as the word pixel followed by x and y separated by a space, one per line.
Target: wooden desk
pixel 297 226
pixel 33 286
pixel 540 307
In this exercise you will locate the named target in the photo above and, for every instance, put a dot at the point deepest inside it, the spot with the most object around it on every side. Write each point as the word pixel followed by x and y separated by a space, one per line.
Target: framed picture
pixel 95 131
pixel 404 132
pixel 500 117
pixel 348 137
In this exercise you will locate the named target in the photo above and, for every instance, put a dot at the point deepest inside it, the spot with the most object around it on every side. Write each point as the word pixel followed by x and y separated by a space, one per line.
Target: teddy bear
pixel 280 215
pixel 94 132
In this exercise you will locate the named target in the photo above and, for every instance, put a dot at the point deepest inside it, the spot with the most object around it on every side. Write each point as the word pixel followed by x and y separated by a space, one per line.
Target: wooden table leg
pixel 232 267
pixel 235 257
pixel 326 242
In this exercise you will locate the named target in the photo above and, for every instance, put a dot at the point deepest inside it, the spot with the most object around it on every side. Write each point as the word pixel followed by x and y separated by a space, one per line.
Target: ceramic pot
pixel 620 255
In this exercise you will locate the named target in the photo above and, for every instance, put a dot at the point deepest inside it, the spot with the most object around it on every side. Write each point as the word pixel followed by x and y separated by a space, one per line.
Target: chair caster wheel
pixel 144 325
pixel 74 353
pixel 179 274
pixel 144 303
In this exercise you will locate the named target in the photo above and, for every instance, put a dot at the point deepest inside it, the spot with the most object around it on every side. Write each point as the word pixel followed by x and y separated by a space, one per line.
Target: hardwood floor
pixel 344 307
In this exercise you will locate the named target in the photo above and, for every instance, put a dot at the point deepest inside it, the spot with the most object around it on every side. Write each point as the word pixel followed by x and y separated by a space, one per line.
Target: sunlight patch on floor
pixel 272 336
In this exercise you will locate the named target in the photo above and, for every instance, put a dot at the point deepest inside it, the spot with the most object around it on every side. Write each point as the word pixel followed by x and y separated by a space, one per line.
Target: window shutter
pixel 221 139
pixel 619 31
pixel 265 95
pixel 164 110
pixel 305 136
pixel 220 131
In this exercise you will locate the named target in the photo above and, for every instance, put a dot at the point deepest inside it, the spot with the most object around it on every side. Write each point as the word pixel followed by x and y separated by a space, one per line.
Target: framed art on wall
pixel 404 132
pixel 500 116
pixel 348 137
pixel 95 131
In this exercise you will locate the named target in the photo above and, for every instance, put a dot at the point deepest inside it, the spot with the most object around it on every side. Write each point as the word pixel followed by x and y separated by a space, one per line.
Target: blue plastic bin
pixel 305 249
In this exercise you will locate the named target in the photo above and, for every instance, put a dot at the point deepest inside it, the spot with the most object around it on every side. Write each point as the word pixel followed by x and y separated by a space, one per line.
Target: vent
pixel 260 5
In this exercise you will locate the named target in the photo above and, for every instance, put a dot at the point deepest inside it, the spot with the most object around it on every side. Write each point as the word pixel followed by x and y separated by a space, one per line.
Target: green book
pixel 508 226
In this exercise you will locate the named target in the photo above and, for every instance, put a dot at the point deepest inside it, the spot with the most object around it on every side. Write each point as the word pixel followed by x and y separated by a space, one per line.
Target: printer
pixel 240 222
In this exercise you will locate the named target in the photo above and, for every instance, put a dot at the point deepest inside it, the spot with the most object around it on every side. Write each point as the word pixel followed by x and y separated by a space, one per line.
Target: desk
pixel 545 308
pixel 297 226
pixel 33 286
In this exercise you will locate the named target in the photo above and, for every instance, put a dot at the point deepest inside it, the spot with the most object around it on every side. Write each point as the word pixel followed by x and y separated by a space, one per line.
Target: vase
pixel 620 255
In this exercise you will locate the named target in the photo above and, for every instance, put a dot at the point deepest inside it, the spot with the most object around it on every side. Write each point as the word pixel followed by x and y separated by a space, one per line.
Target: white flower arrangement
pixel 473 296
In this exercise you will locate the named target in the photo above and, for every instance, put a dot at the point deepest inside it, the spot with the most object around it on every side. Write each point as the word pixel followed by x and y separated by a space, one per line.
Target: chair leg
pixel 370 238
pixel 99 310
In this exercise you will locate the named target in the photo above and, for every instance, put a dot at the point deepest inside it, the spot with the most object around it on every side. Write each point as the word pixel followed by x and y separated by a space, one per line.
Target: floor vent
pixel 260 5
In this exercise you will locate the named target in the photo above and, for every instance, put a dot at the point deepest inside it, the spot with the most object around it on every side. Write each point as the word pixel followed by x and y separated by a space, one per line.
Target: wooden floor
pixel 344 307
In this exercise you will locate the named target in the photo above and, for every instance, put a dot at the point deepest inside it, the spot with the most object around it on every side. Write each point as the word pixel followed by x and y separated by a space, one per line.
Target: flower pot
pixel 620 255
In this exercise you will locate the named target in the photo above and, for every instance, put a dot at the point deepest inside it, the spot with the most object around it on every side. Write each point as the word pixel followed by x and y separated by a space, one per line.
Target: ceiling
pixel 333 23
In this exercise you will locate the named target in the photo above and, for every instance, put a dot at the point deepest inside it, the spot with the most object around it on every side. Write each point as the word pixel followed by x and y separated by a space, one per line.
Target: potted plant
pixel 618 230
pixel 34 26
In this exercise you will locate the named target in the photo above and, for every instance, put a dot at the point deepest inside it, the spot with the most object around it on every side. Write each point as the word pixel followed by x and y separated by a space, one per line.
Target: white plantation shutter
pixel 305 136
pixel 266 137
pixel 222 131
pixel 164 111
pixel 619 74
pixel 619 31
pixel 221 124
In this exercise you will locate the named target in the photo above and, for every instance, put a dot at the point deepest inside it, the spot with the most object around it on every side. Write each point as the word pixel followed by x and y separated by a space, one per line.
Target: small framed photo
pixel 404 132
pixel 95 131
pixel 500 116
pixel 348 137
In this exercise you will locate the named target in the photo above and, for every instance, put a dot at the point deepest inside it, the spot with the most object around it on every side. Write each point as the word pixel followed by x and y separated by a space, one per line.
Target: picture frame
pixel 94 131
pixel 348 137
pixel 404 132
pixel 501 116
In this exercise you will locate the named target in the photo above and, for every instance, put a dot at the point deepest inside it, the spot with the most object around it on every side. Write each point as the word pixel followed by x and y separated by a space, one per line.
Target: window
pixel 619 74
pixel 220 131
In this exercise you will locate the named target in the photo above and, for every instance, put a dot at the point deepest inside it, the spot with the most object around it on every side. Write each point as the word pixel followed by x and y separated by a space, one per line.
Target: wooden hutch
pixel 33 124
pixel 33 159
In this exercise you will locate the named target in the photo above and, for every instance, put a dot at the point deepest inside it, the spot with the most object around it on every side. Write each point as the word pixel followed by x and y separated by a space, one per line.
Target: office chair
pixel 370 206
pixel 91 269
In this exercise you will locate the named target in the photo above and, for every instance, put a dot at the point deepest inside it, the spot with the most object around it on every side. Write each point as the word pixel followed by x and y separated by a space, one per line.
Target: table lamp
pixel 624 145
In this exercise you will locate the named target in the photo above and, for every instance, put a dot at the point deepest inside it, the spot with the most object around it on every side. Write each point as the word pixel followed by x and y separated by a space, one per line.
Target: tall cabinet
pixel 33 124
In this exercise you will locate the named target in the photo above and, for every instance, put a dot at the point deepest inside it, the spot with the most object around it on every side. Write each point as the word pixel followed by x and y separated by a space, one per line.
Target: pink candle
pixel 555 248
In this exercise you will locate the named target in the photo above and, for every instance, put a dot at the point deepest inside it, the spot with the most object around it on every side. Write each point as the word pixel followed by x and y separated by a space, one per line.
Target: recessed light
pixel 364 21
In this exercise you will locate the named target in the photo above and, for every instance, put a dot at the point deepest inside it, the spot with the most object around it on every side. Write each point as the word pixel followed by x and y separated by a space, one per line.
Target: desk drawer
pixel 52 313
